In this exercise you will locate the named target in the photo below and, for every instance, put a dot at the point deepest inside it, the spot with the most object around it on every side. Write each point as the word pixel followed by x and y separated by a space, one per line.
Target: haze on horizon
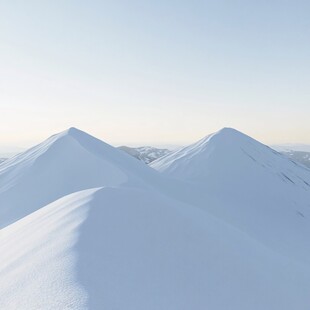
pixel 158 73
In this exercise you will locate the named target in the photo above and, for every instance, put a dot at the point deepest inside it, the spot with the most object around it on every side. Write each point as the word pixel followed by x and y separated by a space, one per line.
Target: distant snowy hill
pixel 298 156
pixel 297 152
pixel 291 147
pixel 145 153
pixel 222 224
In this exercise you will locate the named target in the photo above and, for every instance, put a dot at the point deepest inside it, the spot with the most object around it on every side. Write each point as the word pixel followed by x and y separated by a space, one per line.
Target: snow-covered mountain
pixel 299 147
pixel 145 153
pixel 65 163
pixel 297 152
pixel 298 156
pixel 248 185
pixel 224 224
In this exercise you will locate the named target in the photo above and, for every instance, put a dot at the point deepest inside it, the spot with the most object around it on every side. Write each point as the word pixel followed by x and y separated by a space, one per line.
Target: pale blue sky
pixel 155 72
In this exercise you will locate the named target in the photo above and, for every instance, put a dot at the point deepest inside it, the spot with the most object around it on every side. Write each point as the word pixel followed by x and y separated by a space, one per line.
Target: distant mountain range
pixel 145 153
pixel 299 156
pixel 299 147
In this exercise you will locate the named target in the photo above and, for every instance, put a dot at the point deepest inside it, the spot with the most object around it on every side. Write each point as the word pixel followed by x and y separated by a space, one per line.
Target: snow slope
pixel 225 225
pixel 228 152
pixel 64 163
pixel 248 185
pixel 130 249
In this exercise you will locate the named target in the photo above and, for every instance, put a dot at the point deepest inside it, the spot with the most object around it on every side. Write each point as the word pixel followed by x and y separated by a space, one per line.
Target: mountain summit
pixel 230 156
pixel 65 163
pixel 247 184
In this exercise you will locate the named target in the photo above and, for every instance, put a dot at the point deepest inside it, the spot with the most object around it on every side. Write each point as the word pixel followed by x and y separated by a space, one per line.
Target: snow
pixel 145 153
pixel 63 164
pixel 223 224
pixel 296 147
pixel 248 185
pixel 299 157
pixel 125 248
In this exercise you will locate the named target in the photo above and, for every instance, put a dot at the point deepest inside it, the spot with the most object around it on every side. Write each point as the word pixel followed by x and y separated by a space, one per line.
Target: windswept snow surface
pixel 224 225
pixel 63 164
pixel 125 248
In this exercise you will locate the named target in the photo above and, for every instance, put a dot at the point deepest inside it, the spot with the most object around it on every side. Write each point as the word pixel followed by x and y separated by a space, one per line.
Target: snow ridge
pixel 221 224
